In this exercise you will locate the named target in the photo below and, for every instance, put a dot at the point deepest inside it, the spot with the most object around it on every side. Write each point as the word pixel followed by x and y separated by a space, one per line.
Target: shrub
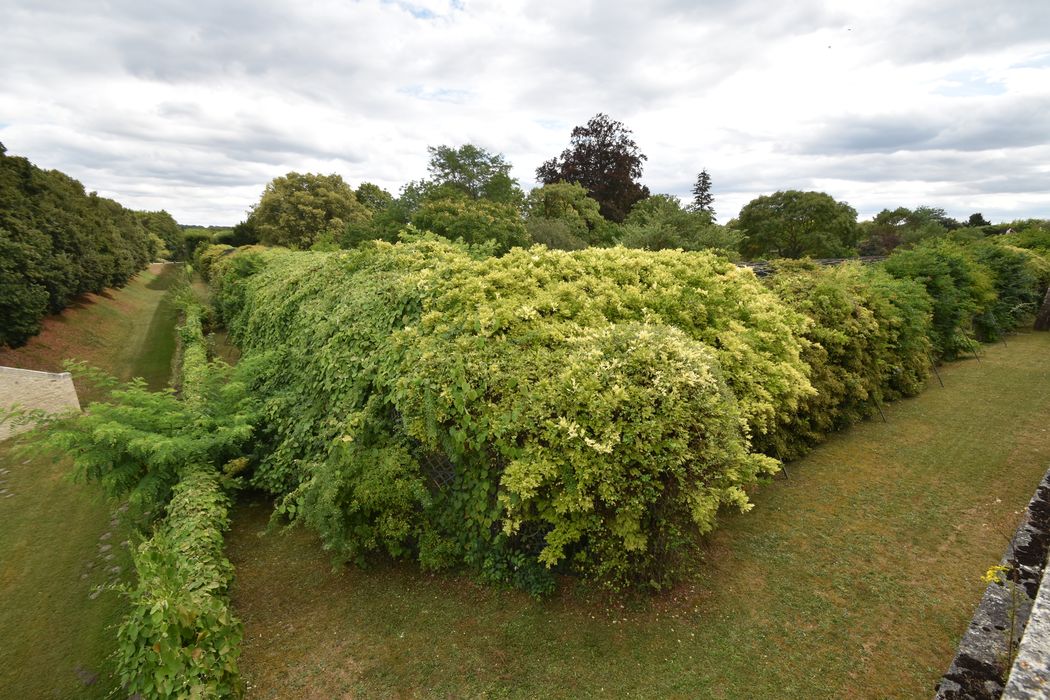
pixel 1014 278
pixel 961 289
pixel 473 221
pixel 207 256
pixel 180 638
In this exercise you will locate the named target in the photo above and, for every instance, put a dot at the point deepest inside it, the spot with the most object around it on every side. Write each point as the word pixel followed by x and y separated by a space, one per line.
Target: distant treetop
pixel 604 159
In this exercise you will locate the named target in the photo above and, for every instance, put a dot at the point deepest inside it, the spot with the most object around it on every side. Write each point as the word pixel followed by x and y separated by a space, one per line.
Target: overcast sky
pixel 194 106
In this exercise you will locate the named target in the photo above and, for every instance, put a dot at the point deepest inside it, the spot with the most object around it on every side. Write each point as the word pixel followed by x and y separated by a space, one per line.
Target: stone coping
pixel 32 390
pixel 34 373
pixel 1030 675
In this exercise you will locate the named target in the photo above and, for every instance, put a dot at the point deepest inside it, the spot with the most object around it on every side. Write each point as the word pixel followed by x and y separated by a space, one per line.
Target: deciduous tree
pixel 604 159
pixel 475 172
pixel 796 224
pixel 568 203
pixel 977 219
pixel 300 209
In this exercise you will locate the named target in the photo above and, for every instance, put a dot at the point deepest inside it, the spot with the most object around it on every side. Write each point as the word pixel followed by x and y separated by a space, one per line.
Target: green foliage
pixel 961 289
pixel 180 638
pixel 528 413
pixel 57 242
pixel 703 200
pixel 584 412
pixel 298 210
pixel 867 343
pixel 640 460
pixel 660 223
pixel 1035 237
pixel 23 303
pixel 373 197
pixel 136 441
pixel 162 225
pixel 459 218
pixel 1015 278
pixel 206 258
pixel 556 234
pixel 890 229
pixel 569 204
pixel 795 224
pixel 474 172
pixel 194 239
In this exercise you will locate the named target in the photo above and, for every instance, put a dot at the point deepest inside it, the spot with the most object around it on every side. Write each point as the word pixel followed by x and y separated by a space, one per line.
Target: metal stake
pixel 933 365
pixel 878 405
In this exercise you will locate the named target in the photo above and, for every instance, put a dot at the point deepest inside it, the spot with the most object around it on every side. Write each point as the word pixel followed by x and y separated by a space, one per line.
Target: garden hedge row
pixel 180 638
pixel 586 412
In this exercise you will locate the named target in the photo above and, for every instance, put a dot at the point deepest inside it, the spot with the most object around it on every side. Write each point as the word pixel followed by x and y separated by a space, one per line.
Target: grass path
pixel 855 578
pixel 54 636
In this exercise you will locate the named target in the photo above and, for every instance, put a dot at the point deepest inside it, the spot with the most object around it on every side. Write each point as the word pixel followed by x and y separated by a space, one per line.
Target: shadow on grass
pixel 164 280
pixel 153 363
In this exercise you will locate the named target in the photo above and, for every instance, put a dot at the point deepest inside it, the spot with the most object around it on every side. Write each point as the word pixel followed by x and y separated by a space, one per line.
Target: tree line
pixel 58 242
pixel 589 195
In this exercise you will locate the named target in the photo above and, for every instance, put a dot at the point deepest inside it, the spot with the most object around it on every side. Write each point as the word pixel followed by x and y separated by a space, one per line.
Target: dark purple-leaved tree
pixel 604 159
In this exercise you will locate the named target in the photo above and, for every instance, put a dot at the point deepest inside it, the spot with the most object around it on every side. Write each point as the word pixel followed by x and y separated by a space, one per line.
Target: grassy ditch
pixel 856 577
pixel 56 536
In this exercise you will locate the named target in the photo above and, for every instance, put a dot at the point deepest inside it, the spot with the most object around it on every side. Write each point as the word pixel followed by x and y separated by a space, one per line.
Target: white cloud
pixel 193 106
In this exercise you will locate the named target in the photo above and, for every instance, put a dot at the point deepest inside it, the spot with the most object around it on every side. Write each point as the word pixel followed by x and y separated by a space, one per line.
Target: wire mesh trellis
pixel 439 469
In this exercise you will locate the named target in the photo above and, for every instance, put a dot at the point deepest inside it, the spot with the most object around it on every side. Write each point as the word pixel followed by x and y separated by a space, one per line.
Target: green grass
pixel 55 637
pixel 855 578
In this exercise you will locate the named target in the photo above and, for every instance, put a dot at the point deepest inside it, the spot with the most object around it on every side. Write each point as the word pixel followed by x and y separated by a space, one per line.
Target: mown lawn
pixel 54 636
pixel 855 578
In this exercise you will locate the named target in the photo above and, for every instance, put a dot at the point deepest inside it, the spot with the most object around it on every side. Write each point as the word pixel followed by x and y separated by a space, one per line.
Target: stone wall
pixel 33 390
pixel 980 666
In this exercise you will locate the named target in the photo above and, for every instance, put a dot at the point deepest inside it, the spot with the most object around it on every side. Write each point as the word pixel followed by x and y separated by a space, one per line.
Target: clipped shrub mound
pixel 545 410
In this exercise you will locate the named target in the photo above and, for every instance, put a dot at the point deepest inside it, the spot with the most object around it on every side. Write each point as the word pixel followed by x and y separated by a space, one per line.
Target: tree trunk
pixel 1042 319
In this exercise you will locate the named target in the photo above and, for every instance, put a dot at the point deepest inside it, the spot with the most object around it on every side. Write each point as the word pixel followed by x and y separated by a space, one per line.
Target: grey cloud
pixel 368 85
pixel 988 125
pixel 940 30
pixel 891 133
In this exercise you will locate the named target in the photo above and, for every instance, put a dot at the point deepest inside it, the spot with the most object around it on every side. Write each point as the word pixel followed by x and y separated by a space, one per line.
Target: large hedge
pixel 961 289
pixel 868 342
pixel 583 410
pixel 57 242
